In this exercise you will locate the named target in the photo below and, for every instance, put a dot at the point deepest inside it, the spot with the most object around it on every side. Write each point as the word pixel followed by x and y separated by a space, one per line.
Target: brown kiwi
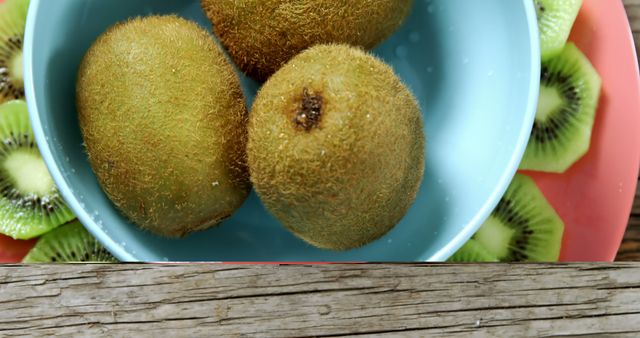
pixel 262 35
pixel 164 122
pixel 336 147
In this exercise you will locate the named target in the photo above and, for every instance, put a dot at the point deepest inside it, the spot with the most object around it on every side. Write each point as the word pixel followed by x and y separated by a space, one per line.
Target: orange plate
pixel 595 196
pixel 12 251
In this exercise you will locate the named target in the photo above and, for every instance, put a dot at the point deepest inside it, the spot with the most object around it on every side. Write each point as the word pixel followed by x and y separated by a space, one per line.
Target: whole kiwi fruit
pixel 262 35
pixel 164 122
pixel 336 147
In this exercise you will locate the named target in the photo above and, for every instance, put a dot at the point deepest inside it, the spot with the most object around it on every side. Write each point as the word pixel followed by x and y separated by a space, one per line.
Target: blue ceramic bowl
pixel 473 65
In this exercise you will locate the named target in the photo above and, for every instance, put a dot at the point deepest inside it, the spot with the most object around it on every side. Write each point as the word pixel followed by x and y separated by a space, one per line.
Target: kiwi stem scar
pixel 310 111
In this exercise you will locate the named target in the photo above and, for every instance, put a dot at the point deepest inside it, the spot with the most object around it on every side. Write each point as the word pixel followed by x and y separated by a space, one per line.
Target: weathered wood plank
pixel 322 300
pixel 633 12
pixel 635 211
pixel 630 247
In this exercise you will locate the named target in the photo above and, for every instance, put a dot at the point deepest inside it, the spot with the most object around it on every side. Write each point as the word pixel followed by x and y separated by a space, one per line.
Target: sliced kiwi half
pixel 523 227
pixel 569 95
pixel 30 204
pixel 13 14
pixel 70 243
pixel 555 20
pixel 471 252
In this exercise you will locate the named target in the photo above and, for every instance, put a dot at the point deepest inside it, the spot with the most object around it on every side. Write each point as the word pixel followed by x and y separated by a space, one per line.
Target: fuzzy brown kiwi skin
pixel 347 175
pixel 164 124
pixel 262 35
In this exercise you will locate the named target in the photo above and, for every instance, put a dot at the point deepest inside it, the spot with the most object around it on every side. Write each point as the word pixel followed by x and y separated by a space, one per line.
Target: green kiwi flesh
pixel 569 95
pixel 262 35
pixel 70 243
pixel 13 15
pixel 555 20
pixel 336 147
pixel 164 123
pixel 523 227
pixel 472 252
pixel 30 204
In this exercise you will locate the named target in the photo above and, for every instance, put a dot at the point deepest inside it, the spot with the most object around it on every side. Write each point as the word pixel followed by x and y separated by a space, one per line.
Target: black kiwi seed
pixel 523 226
pixel 13 16
pixel 24 214
pixel 540 7
pixel 7 190
pixel 509 215
pixel 547 131
pixel 70 242
pixel 8 87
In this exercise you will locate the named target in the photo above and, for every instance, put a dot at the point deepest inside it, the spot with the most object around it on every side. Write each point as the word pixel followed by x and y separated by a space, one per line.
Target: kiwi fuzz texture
pixel 164 122
pixel 336 147
pixel 262 35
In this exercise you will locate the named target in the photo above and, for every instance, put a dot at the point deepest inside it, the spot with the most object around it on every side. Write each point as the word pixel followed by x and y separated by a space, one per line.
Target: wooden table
pixel 630 249
pixel 491 300
pixel 421 300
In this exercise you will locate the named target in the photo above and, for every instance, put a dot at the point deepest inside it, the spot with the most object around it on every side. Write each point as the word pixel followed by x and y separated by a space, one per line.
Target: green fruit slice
pixel 13 15
pixel 471 252
pixel 523 227
pixel 569 94
pixel 30 204
pixel 68 243
pixel 555 20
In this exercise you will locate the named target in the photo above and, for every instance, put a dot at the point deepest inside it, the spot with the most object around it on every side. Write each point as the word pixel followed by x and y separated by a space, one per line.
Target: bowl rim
pixel 45 150
pixel 521 145
pixel 442 254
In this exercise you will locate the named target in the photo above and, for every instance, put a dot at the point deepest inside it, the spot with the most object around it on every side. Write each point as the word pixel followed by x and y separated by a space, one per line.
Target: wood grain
pixel 630 248
pixel 633 12
pixel 323 300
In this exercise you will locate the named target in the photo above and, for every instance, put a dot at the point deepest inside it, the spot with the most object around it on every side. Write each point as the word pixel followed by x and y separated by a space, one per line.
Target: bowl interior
pixel 473 65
